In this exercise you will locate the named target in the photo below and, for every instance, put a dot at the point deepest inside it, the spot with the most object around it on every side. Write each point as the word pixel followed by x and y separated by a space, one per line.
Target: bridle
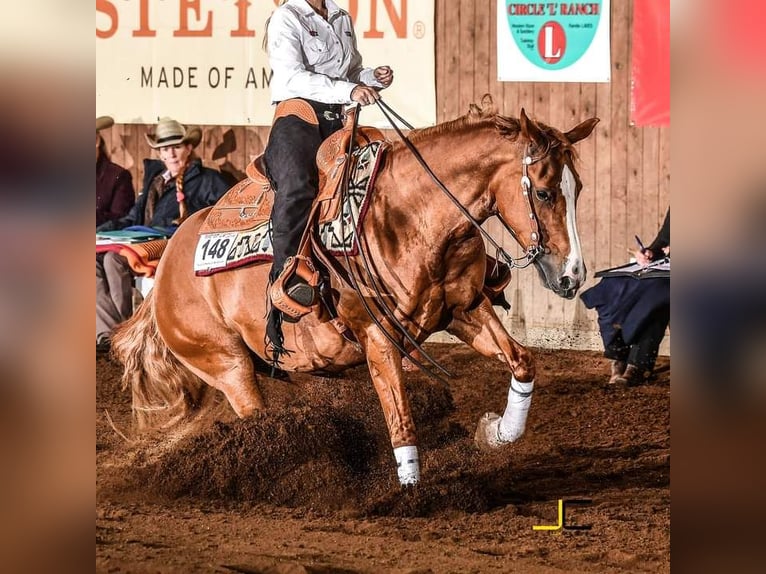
pixel 535 248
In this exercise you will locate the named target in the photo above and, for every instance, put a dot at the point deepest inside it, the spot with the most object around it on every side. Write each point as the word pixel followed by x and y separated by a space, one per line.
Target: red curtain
pixel 650 66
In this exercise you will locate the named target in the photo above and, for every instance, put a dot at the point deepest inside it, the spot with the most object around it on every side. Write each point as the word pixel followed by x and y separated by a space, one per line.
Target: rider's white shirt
pixel 313 58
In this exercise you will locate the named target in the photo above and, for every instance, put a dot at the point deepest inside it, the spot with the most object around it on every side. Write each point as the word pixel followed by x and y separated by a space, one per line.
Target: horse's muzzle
pixel 567 287
pixel 564 286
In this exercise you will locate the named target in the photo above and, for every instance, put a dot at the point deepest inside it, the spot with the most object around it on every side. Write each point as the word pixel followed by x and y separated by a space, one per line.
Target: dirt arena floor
pixel 309 486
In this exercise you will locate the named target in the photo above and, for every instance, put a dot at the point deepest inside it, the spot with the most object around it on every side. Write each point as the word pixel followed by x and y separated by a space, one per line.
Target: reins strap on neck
pixel 531 253
pixel 381 304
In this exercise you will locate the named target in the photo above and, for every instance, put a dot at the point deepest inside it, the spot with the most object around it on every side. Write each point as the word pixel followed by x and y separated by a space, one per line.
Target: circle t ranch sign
pixel 553 41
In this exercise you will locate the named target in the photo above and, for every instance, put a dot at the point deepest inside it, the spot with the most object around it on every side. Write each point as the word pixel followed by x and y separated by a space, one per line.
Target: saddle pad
pixel 339 235
pixel 230 249
pixel 220 251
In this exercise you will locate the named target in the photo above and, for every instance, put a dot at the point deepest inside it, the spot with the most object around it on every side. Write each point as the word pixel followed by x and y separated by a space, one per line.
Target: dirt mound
pixel 297 456
pixel 322 445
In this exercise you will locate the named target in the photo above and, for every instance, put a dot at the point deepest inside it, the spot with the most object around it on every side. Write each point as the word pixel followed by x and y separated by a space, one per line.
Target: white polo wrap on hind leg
pixel 407 464
pixel 514 418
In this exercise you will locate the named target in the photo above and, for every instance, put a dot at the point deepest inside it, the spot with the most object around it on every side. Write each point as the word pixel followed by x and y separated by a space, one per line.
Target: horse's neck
pixel 464 164
pixel 412 222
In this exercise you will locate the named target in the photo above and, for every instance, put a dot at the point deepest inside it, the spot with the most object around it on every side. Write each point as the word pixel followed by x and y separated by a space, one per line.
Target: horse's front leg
pixel 385 364
pixel 480 328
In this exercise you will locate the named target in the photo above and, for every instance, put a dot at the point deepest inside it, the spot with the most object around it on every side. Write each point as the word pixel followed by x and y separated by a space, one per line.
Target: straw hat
pixel 169 132
pixel 103 122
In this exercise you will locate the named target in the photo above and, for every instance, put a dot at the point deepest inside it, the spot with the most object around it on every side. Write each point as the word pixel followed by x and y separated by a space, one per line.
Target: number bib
pixel 213 250
pixel 216 251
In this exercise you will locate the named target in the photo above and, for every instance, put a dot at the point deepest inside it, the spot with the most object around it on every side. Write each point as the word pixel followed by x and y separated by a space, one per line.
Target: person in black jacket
pixel 114 184
pixel 174 187
pixel 633 314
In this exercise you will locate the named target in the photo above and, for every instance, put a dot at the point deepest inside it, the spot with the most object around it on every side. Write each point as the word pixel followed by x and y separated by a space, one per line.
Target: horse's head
pixel 539 205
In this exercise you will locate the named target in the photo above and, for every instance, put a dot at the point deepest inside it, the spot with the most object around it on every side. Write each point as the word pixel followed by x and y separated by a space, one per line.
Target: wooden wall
pixel 625 170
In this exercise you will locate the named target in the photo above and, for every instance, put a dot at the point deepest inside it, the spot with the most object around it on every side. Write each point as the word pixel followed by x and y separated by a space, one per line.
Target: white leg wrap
pixel 407 464
pixel 515 416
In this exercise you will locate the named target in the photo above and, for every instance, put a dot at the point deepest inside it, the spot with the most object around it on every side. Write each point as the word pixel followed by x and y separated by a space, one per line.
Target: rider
pixel 312 51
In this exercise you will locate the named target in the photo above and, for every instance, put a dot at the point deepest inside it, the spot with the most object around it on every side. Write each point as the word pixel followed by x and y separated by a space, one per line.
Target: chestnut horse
pixel 428 261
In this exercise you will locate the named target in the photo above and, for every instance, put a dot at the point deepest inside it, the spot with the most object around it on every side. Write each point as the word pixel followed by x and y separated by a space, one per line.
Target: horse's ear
pixel 581 131
pixel 474 111
pixel 488 107
pixel 530 130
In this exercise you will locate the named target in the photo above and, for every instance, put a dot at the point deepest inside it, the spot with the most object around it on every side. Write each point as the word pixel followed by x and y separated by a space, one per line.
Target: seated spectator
pixel 114 185
pixel 633 314
pixel 174 187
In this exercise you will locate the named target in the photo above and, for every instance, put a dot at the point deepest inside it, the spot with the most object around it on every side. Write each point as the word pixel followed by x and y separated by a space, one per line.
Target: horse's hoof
pixel 409 481
pixel 487 432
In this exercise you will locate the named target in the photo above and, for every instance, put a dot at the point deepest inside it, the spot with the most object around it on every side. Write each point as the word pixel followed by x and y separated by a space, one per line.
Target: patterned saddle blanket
pixel 237 230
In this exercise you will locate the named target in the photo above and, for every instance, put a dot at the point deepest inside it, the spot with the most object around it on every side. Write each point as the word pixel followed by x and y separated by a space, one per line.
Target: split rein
pixel 376 287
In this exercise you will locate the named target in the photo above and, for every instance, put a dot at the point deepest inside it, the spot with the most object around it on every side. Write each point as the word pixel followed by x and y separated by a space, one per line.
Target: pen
pixel 640 245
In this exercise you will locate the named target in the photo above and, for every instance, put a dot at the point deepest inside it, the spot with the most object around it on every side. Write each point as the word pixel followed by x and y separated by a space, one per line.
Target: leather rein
pixel 380 303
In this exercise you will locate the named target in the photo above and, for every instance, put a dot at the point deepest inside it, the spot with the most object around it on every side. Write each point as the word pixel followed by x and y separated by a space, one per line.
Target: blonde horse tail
pixel 163 390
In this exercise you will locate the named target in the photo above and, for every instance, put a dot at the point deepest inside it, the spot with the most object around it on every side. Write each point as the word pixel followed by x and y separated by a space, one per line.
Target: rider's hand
pixel 384 75
pixel 643 257
pixel 364 95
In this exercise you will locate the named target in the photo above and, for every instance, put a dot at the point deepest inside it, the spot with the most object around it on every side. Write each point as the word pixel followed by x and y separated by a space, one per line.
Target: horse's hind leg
pixel 219 357
pixel 481 329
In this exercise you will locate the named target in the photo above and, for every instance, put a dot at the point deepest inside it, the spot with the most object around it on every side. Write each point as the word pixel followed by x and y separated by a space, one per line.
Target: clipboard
pixel 655 270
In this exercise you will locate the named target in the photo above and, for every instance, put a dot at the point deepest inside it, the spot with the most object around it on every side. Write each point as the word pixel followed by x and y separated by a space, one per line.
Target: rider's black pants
pixel 290 159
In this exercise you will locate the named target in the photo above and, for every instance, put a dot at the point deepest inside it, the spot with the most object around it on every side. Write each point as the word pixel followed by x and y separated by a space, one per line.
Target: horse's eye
pixel 544 195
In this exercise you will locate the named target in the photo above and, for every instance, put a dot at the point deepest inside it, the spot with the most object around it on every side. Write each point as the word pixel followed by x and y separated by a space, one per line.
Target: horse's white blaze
pixel 573 267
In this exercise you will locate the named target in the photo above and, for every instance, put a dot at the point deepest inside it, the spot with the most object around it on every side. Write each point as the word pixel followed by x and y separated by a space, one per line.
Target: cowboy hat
pixel 103 122
pixel 169 132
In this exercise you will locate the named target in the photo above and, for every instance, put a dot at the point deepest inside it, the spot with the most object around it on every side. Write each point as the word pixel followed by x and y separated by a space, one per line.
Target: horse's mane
pixel 508 127
pixel 457 125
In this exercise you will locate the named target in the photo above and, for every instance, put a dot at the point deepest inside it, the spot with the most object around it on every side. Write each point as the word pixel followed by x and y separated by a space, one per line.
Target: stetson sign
pixel 553 41
pixel 202 61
